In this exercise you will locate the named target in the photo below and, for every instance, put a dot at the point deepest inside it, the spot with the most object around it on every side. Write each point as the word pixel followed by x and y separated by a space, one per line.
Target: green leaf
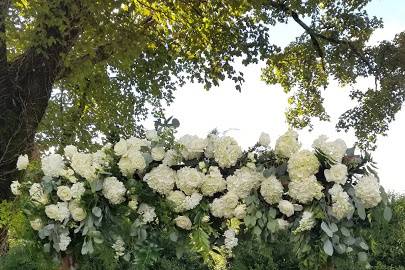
pixel 272 213
pixel 96 211
pixel 345 231
pixel 387 213
pixel 326 229
pixel 362 256
pixel 363 245
pixel 328 247
pixel 361 211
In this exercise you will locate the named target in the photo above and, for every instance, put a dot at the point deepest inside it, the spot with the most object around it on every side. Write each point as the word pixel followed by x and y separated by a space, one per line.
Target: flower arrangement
pixel 200 193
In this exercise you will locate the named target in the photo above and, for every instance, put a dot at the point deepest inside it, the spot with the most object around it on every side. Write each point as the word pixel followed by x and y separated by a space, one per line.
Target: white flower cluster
pixel 58 211
pixel 53 165
pixel 305 190
pixel 307 222
pixel 64 241
pixel 147 213
pixel 287 144
pixel 161 179
pixel 272 190
pixel 22 162
pixel 213 182
pixel 183 222
pixel 337 173
pixel 114 190
pixel 119 248
pixel 368 191
pixel 227 152
pixel 286 208
pixel 193 146
pixel 189 180
pixel 131 155
pixel 225 206
pixel 334 150
pixel 341 207
pixel 230 240
pixel 243 181
pixel 302 164
pixel 37 193
pixel 87 165
pixel 15 188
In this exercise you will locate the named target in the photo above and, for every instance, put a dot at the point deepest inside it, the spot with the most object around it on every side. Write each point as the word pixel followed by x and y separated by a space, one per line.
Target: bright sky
pixel 261 107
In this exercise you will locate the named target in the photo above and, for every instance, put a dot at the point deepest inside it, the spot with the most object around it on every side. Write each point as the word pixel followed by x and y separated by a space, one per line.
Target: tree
pixel 113 60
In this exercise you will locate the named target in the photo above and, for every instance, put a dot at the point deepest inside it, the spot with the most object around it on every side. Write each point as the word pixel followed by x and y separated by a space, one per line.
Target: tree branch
pixel 4 6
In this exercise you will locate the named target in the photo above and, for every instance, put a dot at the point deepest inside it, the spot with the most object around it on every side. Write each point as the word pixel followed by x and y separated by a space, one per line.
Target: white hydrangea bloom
pixel 192 201
pixel 307 222
pixel 114 190
pixel 211 142
pixel 78 213
pixel 189 180
pixel 134 143
pixel 22 162
pixel 225 205
pixel 183 222
pixel 282 224
pixel 286 208
pixel 59 211
pixel 69 151
pixel 121 147
pixel 227 152
pixel 158 153
pixel 230 240
pixel 337 173
pixel 82 164
pixel 36 224
pixel 161 179
pixel 69 174
pixel 171 158
pixel 367 190
pixel 272 190
pixel 243 181
pixel 334 150
pixel 287 144
pixel 341 207
pixel 147 213
pixel 213 182
pixel 152 135
pixel 131 162
pixel 64 193
pixel 178 199
pixel 240 211
pixel 52 165
pixel 305 190
pixel 64 241
pixel 77 190
pixel 264 139
pixel 119 248
pixel 302 164
pixel 205 219
pixel 193 146
pixel 15 188
pixel 133 204
pixel 37 193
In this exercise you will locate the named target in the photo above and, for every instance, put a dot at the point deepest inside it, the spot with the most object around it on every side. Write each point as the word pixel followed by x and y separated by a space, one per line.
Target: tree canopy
pixel 112 63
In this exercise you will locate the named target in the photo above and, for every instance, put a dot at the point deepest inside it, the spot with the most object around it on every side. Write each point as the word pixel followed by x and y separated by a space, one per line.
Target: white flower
pixel 337 173
pixel 133 161
pixel 307 222
pixel 189 180
pixel 37 194
pixel 36 224
pixel 59 211
pixel 302 164
pixel 193 146
pixel 211 142
pixel 161 179
pixel 264 139
pixel 64 193
pixel 133 204
pixel 243 181
pixel 64 241
pixel 15 188
pixel 282 224
pixel 205 219
pixel 192 201
pixel 178 199
pixel 147 213
pixel 120 148
pixel 305 190
pixel 22 162
pixel 367 190
pixel 230 240
pixel 334 150
pixel 183 222
pixel 134 143
pixel 82 164
pixel 70 150
pixel 240 211
pixel 286 208
pixel 119 248
pixel 77 212
pixel 77 190
pixel 53 165
pixel 158 153
pixel 225 205
pixel 171 158
pixel 287 144
pixel 272 190
pixel 213 182
pixel 114 190
pixel 151 135
pixel 69 174
pixel 341 207
pixel 227 152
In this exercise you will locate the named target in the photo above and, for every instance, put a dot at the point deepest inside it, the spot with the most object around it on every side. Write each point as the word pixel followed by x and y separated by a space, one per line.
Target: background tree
pixel 112 63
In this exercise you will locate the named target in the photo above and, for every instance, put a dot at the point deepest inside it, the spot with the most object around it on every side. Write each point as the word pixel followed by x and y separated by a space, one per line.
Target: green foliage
pixel 27 257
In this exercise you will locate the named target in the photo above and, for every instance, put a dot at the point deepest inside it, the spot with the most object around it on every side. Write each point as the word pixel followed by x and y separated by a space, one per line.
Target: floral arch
pixel 201 193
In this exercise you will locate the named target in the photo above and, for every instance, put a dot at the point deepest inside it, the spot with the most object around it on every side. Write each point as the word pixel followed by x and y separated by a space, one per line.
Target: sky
pixel 260 107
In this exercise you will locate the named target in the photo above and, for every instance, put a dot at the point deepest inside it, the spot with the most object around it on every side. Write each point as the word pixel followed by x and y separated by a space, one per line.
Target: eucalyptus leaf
pixel 345 231
pixel 326 229
pixel 362 256
pixel 328 247
pixel 387 213
pixel 96 211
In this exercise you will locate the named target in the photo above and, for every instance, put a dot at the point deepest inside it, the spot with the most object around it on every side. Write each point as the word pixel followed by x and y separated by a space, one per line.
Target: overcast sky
pixel 260 107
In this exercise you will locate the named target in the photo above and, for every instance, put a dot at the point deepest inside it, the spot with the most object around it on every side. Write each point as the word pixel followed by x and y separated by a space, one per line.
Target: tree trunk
pixel 68 263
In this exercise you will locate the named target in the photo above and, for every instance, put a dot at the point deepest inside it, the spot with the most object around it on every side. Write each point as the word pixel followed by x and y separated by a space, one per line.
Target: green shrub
pixel 27 257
